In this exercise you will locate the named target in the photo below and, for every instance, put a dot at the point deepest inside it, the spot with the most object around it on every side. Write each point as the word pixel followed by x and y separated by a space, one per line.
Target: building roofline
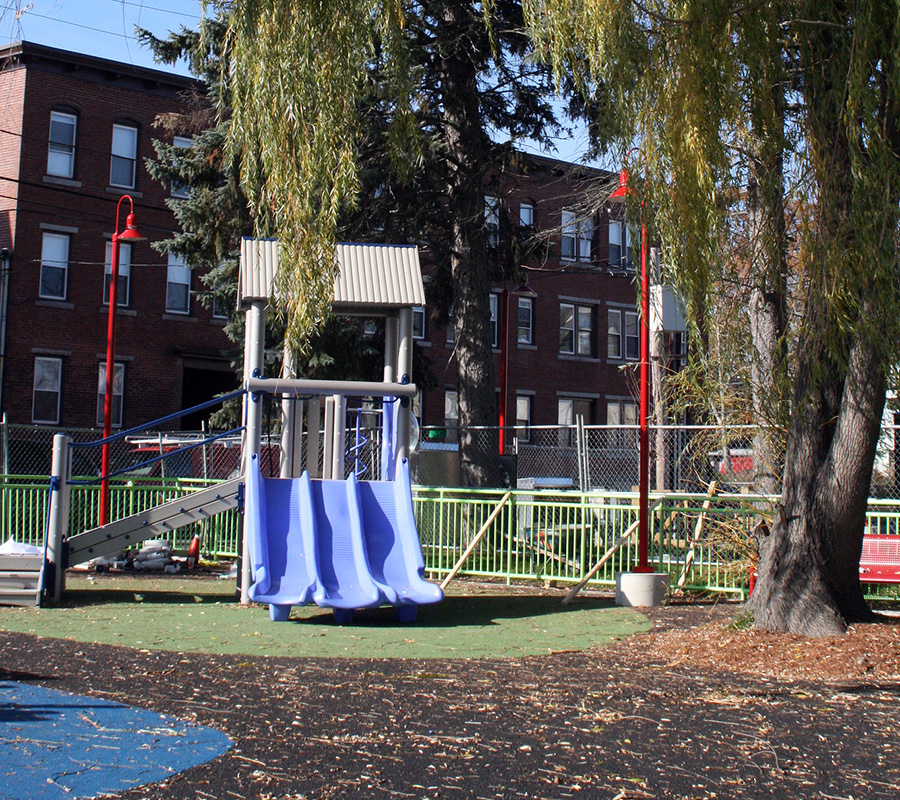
pixel 25 52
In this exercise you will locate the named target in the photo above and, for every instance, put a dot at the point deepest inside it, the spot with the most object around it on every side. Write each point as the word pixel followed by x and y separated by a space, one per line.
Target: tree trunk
pixel 809 563
pixel 467 152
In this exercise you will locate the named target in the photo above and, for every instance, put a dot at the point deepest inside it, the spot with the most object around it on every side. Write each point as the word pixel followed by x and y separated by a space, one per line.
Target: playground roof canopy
pixel 372 279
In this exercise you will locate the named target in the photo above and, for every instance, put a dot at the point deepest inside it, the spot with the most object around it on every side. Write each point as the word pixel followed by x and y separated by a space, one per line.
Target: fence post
pixel 5 445
pixel 57 519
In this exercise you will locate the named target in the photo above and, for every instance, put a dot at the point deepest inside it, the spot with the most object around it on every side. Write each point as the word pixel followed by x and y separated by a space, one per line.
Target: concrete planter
pixel 641 588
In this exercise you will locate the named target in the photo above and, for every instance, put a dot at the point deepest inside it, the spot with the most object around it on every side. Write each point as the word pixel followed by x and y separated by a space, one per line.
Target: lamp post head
pixel 524 290
pixel 131 233
pixel 623 190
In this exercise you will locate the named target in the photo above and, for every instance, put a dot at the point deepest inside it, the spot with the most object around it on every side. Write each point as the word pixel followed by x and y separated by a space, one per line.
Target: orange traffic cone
pixel 193 555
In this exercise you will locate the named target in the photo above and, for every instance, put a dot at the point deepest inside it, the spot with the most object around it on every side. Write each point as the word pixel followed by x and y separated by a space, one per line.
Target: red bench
pixel 880 560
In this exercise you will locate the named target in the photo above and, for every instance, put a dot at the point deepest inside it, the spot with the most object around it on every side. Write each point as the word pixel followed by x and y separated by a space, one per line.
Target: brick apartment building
pixel 570 341
pixel 73 140
pixel 74 135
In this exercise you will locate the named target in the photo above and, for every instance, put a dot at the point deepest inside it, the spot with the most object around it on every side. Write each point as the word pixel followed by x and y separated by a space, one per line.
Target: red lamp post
pixel 643 565
pixel 129 235
pixel 522 290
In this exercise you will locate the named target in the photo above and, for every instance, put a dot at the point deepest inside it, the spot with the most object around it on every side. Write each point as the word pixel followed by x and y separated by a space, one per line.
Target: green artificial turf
pixel 201 615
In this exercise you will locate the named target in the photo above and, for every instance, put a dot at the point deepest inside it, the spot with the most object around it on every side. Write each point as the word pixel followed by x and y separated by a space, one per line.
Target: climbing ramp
pixel 339 544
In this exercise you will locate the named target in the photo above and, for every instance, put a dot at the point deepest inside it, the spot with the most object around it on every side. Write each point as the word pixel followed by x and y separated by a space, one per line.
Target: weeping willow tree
pixel 777 121
pixel 296 75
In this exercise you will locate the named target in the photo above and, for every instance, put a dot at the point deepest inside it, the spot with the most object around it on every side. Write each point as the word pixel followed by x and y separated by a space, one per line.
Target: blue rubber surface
pixel 55 745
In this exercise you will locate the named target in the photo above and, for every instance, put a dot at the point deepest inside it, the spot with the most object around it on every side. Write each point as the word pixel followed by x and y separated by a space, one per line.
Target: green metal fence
pixel 703 542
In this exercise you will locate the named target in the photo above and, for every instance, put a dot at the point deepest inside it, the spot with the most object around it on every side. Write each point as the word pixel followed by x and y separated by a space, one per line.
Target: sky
pixel 102 28
pixel 105 28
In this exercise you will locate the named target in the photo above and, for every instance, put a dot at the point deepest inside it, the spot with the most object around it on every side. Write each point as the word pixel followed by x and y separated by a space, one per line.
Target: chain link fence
pixel 583 457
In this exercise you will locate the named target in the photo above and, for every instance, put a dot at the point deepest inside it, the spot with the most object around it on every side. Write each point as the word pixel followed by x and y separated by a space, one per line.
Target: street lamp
pixel 522 290
pixel 129 235
pixel 622 191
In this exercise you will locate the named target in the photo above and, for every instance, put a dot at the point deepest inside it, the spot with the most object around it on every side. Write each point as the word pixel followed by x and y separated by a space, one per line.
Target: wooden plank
pixel 478 536
pixel 698 530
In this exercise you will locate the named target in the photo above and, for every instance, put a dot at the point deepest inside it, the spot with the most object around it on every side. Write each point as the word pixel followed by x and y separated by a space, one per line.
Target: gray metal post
pixel 404 375
pixel 313 424
pixel 288 416
pixel 58 521
pixel 340 438
pixel 255 333
pixel 328 449
pixel 390 349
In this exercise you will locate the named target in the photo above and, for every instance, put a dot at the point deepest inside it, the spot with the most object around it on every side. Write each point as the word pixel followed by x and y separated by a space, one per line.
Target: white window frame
pixel 178 190
pixel 492 220
pixel 218 308
pixel 178 275
pixel 494 303
pixel 123 290
pixel 621 413
pixel 526 215
pixel 118 394
pixel 60 152
pixel 619 244
pixel 524 411
pixel 418 323
pixel 123 153
pixel 582 337
pixel 48 262
pixel 623 337
pixel 47 381
pixel 577 237
pixel 525 332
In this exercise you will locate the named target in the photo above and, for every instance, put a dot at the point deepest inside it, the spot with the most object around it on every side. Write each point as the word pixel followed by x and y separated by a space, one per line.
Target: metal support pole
pixel 328 449
pixel 340 438
pixel 644 488
pixel 313 426
pixel 288 416
pixel 255 332
pixel 58 519
pixel 391 325
pixel 404 369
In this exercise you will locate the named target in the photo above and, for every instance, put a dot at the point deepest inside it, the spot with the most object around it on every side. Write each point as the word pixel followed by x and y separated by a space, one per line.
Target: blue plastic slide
pixel 341 544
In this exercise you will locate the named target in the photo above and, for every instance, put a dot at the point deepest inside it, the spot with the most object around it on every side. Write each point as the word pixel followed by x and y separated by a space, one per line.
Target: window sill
pixel 523 346
pixel 46 302
pixel 60 181
pixel 170 317
pixel 422 342
pixel 121 311
pixel 581 359
pixel 623 362
pixel 124 190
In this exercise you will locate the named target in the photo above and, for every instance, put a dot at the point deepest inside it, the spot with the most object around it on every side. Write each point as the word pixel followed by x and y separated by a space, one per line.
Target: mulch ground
pixel 689 710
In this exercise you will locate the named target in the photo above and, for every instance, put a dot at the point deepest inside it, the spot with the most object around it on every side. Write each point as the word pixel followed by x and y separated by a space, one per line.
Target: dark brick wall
pixel 541 370
pixel 154 346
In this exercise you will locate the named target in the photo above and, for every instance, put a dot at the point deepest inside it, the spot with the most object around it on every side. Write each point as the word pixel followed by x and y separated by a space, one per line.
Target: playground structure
pixel 309 535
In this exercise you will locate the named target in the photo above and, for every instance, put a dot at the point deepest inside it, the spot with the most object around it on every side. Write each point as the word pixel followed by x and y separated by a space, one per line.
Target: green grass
pixel 202 615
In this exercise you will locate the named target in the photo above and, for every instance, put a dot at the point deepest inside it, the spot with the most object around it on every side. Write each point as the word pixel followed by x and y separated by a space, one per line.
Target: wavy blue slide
pixel 341 544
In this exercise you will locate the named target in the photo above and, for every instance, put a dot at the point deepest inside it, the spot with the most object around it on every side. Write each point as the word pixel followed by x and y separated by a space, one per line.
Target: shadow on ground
pixel 202 615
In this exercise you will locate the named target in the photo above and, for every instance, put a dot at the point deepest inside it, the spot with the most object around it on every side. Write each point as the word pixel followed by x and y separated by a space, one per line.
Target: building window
pixel 523 417
pixel 118 386
pixel 622 413
pixel 124 285
pixel 61 153
pixel 219 307
pixel 54 265
pixel 181 190
pixel 178 286
pixel 575 329
pixel 451 414
pixel 577 236
pixel 492 220
pixel 526 215
pixel 569 409
pixel 47 383
pixel 124 156
pixel 619 244
pixel 494 301
pixel 525 331
pixel 623 338
pixel 418 322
